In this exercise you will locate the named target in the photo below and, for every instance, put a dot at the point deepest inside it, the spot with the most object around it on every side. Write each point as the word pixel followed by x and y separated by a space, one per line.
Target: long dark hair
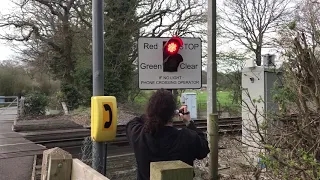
pixel 159 111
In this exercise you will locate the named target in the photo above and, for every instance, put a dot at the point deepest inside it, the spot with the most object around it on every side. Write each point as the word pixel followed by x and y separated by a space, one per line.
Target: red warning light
pixel 172 48
pixel 173 45
pixel 171 56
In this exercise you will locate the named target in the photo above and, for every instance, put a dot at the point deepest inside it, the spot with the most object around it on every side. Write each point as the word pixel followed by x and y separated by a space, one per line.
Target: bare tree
pixel 161 18
pixel 291 142
pixel 57 36
pixel 252 22
pixel 48 31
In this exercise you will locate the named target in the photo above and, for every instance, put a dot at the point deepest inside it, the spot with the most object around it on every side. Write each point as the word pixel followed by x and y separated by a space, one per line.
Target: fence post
pixel 56 165
pixel 65 108
pixel 18 107
pixel 170 170
pixel 18 111
pixel 21 106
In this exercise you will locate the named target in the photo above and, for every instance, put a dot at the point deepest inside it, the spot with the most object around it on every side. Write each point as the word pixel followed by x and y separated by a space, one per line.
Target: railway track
pixel 75 137
pixel 118 150
pixel 121 165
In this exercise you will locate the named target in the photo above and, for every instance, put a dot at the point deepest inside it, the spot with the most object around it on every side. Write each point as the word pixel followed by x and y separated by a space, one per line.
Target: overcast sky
pixel 6 6
pixel 5 50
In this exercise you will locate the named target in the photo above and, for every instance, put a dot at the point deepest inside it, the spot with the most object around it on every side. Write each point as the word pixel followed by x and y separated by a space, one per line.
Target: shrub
pixel 70 94
pixel 35 103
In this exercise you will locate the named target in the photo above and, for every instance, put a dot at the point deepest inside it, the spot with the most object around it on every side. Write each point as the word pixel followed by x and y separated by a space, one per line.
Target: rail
pixel 75 137
pixel 4 102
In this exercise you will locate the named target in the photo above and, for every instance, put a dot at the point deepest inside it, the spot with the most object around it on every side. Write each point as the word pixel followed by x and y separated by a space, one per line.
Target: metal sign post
pixel 212 92
pixel 99 149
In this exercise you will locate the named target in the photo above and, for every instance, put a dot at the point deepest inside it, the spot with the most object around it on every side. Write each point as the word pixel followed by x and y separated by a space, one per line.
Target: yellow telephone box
pixel 104 118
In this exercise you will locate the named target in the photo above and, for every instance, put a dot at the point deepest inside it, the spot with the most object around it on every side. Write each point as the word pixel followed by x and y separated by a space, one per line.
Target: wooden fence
pixel 9 101
pixel 58 164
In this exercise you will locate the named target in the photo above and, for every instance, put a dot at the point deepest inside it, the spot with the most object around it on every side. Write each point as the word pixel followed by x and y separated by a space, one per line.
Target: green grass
pixel 224 98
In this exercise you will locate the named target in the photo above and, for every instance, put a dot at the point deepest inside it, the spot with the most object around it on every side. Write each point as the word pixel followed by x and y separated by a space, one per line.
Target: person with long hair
pixel 153 137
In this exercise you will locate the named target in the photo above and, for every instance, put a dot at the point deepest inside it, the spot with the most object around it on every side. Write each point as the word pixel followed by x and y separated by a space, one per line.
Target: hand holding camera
pixel 184 114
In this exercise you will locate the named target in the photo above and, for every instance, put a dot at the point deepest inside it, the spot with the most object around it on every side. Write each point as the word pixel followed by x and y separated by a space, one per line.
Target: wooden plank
pixel 33 175
pixel 8 97
pixel 5 103
pixel 81 171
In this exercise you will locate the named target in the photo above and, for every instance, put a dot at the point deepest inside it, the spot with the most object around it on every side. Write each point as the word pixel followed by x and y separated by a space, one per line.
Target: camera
pixel 182 112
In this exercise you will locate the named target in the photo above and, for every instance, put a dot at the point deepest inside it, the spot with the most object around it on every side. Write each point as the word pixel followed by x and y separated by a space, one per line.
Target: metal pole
pixel 99 149
pixel 212 92
pixel 212 52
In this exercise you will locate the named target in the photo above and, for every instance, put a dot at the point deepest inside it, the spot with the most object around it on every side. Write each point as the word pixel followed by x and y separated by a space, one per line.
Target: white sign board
pixel 151 75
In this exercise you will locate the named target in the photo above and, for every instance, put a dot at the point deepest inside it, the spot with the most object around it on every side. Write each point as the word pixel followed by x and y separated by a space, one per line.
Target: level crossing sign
pixel 170 63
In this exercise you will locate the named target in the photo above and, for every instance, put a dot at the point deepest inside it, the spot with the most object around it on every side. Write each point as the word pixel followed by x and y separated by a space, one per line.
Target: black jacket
pixel 186 144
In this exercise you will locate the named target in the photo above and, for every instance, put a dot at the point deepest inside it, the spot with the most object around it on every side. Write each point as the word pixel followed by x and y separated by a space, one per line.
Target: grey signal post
pixel 212 115
pixel 99 149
